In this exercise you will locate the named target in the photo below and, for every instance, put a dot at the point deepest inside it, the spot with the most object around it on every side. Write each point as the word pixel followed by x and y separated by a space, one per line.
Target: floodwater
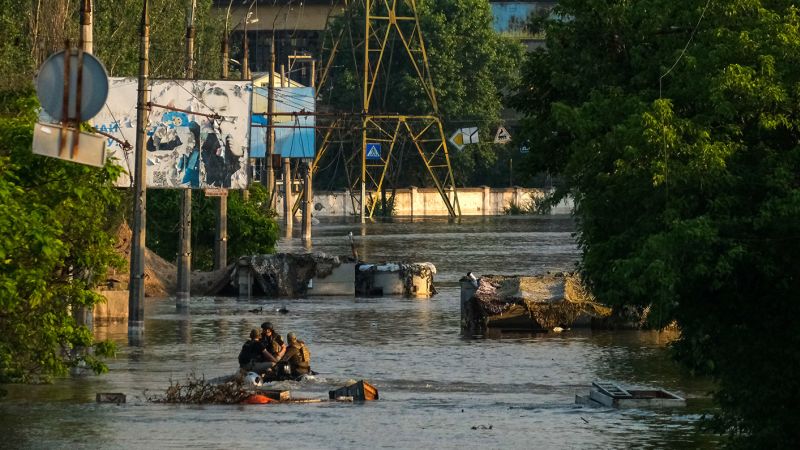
pixel 437 388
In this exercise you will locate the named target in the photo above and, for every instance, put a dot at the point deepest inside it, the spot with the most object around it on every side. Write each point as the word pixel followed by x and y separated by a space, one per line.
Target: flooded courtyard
pixel 438 389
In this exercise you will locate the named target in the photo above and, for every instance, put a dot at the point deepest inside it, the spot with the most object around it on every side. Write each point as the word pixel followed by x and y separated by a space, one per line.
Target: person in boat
pixel 272 341
pixel 254 355
pixel 297 358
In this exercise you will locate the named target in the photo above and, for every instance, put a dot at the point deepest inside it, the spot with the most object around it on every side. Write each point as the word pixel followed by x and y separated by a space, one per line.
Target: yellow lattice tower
pixel 385 20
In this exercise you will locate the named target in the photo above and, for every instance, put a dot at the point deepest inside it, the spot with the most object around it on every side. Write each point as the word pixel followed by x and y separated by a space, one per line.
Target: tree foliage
pixel 251 228
pixel 472 67
pixel 57 220
pixel 676 127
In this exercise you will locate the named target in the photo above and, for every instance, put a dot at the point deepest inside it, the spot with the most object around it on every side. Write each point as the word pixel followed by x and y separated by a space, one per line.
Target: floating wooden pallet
pixel 612 390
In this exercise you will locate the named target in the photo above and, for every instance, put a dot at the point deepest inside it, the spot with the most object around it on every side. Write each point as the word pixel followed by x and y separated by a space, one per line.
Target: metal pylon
pixel 385 21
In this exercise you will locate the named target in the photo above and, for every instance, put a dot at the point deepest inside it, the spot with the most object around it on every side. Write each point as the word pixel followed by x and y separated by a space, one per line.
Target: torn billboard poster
pixel 294 133
pixel 198 141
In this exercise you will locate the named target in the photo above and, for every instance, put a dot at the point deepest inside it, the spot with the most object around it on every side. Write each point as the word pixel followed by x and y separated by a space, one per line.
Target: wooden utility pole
pixel 185 235
pixel 136 285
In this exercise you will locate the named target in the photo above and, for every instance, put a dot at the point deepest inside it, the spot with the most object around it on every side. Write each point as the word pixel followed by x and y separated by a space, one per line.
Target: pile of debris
pixel 201 391
pixel 534 303
pixel 288 274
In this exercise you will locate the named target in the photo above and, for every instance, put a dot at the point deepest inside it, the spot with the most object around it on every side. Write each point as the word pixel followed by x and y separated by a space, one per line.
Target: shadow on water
pixel 435 385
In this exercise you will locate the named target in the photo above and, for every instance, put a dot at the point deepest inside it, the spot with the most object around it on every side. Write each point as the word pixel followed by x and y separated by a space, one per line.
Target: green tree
pixel 675 127
pixel 58 221
pixel 473 68
pixel 251 228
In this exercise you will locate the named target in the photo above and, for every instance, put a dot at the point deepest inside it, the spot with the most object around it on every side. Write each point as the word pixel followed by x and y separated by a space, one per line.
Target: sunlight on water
pixel 437 388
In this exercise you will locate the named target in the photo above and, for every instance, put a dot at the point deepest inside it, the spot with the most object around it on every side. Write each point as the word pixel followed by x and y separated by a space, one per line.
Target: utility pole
pixel 307 202
pixel 221 241
pixel 268 177
pixel 245 51
pixel 84 314
pixel 185 235
pixel 136 288
pixel 86 26
pixel 288 211
pixel 225 49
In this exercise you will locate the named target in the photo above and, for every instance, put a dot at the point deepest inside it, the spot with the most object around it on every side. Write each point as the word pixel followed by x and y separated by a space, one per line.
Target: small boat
pixel 605 393
pixel 358 391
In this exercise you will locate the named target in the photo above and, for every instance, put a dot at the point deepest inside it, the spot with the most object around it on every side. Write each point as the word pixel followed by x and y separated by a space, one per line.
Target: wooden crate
pixel 359 391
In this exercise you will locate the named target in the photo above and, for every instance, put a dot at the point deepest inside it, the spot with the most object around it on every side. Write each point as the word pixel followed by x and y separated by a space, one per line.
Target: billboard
pixel 294 134
pixel 198 141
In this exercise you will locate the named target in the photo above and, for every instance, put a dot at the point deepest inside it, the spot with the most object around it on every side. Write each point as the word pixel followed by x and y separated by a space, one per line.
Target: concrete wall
pixel 114 309
pixel 480 201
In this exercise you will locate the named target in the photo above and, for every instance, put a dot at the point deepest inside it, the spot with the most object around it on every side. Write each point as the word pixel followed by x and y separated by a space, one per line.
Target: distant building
pixel 511 19
pixel 298 27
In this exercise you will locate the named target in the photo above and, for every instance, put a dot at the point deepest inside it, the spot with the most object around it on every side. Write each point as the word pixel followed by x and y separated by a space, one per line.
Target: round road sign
pixel 50 86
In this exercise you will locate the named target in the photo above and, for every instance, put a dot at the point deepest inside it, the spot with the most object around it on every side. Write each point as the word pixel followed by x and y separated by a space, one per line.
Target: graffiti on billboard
pixel 197 133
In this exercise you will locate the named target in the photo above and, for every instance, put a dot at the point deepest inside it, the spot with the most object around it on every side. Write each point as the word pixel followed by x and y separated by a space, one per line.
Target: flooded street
pixel 437 388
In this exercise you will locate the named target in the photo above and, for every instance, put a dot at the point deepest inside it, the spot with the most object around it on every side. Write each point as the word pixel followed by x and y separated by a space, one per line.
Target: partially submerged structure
pixel 609 394
pixel 299 275
pixel 527 303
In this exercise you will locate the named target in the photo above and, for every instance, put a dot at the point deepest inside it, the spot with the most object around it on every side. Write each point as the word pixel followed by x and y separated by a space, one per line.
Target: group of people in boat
pixel 267 354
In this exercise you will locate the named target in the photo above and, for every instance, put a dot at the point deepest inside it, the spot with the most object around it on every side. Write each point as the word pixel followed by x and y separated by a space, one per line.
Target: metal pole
pixel 246 53
pixel 313 73
pixel 86 26
pixel 225 41
pixel 307 201
pixel 269 171
pixel 136 285
pixel 221 247
pixel 84 314
pixel 365 110
pixel 287 196
pixel 221 238
pixel 185 235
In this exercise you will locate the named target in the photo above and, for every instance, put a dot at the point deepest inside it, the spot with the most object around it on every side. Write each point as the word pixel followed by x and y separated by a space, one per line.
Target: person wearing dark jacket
pixel 272 341
pixel 254 355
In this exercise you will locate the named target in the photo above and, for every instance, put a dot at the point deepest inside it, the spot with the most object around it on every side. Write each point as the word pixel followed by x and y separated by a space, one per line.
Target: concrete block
pixel 388 282
pixel 115 307
pixel 341 281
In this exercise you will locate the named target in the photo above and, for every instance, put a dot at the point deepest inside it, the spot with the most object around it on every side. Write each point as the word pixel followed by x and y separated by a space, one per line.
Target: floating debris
pixel 110 397
pixel 357 390
pixel 609 394
pixel 196 390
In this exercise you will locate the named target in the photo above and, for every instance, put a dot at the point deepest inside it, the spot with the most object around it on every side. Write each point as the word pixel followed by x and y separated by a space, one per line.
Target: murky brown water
pixel 435 385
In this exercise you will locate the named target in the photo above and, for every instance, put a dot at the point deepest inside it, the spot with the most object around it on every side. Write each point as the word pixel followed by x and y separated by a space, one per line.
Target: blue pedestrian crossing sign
pixel 373 151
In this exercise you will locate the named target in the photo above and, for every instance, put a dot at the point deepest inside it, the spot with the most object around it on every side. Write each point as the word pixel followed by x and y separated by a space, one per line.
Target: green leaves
pixel 685 169
pixel 251 228
pixel 55 248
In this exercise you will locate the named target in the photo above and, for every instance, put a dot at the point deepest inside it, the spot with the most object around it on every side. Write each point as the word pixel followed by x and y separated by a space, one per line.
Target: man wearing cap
pixel 272 341
pixel 297 357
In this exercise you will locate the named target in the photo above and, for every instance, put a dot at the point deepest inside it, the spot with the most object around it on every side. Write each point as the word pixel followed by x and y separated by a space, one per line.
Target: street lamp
pixel 226 37
pixel 246 56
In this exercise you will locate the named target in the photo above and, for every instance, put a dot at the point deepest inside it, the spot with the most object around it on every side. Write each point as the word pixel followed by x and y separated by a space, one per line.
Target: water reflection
pixel 435 385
